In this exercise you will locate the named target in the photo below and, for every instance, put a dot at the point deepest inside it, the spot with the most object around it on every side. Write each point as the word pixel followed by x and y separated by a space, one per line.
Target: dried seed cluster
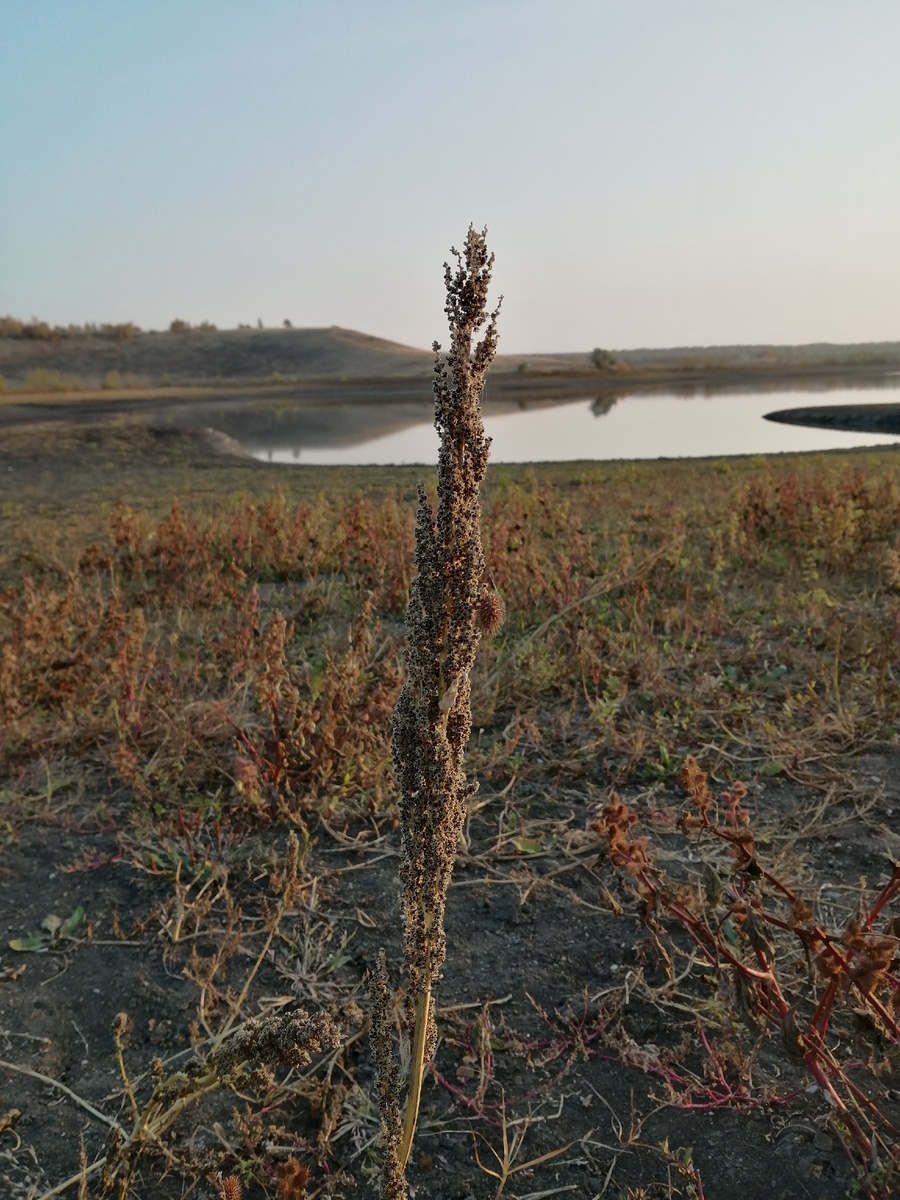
pixel 293 1039
pixel 450 608
pixel 393 1181
pixel 444 622
pixel 490 612
pixel 228 1188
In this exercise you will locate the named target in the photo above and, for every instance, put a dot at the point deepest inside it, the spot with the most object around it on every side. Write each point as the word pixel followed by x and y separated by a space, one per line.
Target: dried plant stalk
pixel 444 622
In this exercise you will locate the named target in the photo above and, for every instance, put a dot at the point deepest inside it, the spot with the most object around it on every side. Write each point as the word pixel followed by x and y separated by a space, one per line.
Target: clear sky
pixel 651 172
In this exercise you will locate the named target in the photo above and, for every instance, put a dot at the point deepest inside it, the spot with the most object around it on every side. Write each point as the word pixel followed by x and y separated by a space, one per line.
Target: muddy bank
pixel 853 418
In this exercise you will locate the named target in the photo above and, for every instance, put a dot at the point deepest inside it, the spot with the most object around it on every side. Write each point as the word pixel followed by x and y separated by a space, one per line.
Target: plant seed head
pixel 228 1188
pixel 490 611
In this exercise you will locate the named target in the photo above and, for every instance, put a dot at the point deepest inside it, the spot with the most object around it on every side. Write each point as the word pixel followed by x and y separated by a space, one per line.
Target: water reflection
pixel 601 406
pixel 610 426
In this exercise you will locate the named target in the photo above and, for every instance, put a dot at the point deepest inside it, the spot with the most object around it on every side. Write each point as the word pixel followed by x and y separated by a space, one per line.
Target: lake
pixel 630 426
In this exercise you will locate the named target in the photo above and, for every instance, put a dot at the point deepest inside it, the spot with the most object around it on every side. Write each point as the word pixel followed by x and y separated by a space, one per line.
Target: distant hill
pixel 44 359
pixel 202 356
pixel 820 355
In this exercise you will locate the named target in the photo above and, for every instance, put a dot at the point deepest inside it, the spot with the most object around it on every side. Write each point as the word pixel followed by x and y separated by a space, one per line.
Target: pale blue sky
pixel 652 172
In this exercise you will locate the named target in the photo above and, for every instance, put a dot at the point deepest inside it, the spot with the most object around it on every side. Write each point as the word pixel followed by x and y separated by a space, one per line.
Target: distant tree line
pixel 41 331
pixel 123 331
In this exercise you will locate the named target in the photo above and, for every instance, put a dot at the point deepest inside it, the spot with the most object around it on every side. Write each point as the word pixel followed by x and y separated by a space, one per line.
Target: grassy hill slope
pixel 202 356
pixel 67 360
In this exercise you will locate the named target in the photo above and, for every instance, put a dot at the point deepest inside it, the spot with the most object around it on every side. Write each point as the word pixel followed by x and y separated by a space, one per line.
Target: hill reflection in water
pixel 607 427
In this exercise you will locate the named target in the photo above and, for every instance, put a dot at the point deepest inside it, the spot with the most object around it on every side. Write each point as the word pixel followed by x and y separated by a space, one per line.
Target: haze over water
pixel 634 427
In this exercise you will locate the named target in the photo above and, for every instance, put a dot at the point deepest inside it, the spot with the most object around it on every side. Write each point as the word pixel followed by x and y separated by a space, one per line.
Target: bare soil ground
pixel 655 611
pixel 547 1005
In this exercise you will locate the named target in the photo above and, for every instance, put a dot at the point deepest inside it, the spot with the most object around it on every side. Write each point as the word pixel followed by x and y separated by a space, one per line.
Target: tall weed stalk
pixel 451 603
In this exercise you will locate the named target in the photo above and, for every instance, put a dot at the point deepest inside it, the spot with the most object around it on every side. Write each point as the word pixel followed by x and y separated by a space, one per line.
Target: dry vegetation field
pixel 672 930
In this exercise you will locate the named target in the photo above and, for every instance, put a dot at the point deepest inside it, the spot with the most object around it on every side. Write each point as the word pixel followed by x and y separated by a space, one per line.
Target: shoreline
pixel 502 388
pixel 850 418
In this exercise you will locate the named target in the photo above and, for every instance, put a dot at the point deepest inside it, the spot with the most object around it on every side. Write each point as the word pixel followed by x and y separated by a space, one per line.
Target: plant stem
pixel 95 1112
pixel 416 1071
pixel 73 1179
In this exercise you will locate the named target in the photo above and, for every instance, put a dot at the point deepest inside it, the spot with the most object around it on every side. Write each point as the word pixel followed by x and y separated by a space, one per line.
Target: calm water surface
pixel 638 426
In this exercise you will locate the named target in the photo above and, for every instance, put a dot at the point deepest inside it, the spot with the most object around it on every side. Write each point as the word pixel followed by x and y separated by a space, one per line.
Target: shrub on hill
pixel 34 329
pixel 181 326
pixel 39 379
pixel 603 360
pixel 122 332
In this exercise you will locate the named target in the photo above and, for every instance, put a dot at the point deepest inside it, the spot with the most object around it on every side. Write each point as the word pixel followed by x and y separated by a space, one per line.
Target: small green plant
pixel 54 930
pixel 112 380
